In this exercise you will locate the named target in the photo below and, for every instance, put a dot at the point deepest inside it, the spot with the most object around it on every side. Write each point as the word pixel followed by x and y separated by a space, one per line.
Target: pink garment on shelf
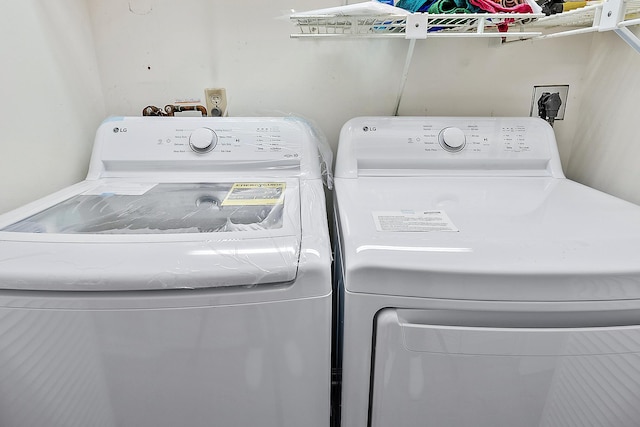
pixel 493 7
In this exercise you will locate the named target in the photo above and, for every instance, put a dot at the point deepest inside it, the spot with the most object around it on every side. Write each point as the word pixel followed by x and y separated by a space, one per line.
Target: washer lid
pixel 123 235
pixel 114 207
pixel 487 238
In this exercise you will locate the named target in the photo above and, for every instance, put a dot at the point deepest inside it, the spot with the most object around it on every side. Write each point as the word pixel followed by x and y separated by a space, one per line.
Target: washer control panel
pixel 229 139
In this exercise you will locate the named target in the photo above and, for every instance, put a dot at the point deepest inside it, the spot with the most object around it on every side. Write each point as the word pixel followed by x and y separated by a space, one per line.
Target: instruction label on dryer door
pixel 255 194
pixel 421 221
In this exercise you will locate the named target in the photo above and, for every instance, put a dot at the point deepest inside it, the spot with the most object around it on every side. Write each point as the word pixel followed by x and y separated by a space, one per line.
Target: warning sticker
pixel 255 193
pixel 422 221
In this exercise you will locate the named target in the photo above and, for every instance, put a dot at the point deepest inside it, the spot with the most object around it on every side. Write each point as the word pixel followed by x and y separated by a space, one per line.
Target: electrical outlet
pixel 216 101
pixel 562 90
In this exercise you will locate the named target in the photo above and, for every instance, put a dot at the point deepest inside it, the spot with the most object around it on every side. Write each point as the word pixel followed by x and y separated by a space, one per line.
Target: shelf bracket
pixel 416 28
pixel 611 17
pixel 405 73
pixel 631 39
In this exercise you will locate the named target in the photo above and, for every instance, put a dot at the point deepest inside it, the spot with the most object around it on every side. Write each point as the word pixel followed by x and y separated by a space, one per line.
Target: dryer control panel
pixel 447 145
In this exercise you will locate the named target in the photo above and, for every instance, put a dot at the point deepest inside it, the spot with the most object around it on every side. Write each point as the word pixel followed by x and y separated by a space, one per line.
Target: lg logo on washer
pixel 369 128
pixel 116 130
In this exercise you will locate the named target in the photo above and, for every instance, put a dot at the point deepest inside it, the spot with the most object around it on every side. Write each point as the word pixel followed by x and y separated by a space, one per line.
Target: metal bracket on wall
pixel 631 39
pixel 607 16
pixel 417 27
pixel 613 13
pixel 405 73
pixel 420 26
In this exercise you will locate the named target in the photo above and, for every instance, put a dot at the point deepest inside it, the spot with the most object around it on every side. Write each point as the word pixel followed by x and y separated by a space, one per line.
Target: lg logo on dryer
pixel 369 128
pixel 116 130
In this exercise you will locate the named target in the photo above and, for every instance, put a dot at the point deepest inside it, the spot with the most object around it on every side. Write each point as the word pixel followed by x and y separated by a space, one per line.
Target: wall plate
pixel 216 99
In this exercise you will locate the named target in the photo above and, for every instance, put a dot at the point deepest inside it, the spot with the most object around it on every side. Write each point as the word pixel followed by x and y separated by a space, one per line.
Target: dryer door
pixel 433 368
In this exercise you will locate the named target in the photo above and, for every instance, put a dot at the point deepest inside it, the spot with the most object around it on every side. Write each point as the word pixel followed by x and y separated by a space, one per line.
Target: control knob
pixel 452 139
pixel 203 140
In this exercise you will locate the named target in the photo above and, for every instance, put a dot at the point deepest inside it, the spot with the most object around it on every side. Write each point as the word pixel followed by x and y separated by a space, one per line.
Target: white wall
pixel 476 77
pixel 179 48
pixel 51 97
pixel 156 51
pixel 606 147
pixel 85 59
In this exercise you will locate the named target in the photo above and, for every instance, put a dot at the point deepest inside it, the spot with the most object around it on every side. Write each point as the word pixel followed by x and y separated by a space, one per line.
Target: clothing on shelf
pixel 494 7
pixel 465 6
pixel 453 6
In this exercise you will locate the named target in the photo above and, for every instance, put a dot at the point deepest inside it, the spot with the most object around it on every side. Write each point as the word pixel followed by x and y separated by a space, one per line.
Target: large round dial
pixel 203 140
pixel 452 139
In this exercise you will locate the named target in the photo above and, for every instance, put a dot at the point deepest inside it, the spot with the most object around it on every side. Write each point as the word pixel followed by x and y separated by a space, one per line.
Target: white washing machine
pixel 185 282
pixel 480 287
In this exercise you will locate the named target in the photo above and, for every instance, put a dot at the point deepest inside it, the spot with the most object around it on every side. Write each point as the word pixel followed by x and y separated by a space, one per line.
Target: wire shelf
pixel 319 25
pixel 610 15
pixel 489 24
pixel 586 16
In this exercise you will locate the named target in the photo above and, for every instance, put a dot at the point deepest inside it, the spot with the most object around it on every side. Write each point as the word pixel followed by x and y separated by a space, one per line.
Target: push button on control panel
pixel 203 140
pixel 452 139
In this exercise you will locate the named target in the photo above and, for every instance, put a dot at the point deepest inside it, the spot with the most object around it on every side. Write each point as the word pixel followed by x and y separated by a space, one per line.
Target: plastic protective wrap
pixel 325 153
pixel 154 213
pixel 164 208
pixel 314 133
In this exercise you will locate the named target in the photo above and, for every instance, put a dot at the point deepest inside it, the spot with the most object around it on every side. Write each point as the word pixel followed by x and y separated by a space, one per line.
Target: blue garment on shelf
pixel 415 5
pixel 425 7
pixel 453 6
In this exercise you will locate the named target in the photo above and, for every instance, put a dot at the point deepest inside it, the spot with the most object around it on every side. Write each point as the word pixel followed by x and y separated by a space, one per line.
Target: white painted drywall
pixel 84 59
pixel 606 147
pixel 171 50
pixel 476 77
pixel 51 97
pixel 157 51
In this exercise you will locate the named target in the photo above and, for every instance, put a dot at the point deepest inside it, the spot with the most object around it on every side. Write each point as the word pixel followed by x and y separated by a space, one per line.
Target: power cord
pixel 548 106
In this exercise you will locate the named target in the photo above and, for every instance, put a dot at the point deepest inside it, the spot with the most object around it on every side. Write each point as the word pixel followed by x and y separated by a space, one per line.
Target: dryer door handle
pixel 505 340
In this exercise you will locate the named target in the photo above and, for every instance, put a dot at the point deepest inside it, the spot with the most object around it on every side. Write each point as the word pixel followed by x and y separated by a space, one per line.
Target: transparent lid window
pixel 164 208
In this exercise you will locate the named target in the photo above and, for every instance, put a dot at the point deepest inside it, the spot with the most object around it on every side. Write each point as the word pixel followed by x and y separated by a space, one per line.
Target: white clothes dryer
pixel 185 282
pixel 479 286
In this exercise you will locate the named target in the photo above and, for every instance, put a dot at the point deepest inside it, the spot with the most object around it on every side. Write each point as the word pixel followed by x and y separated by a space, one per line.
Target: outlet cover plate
pixel 216 99
pixel 563 91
